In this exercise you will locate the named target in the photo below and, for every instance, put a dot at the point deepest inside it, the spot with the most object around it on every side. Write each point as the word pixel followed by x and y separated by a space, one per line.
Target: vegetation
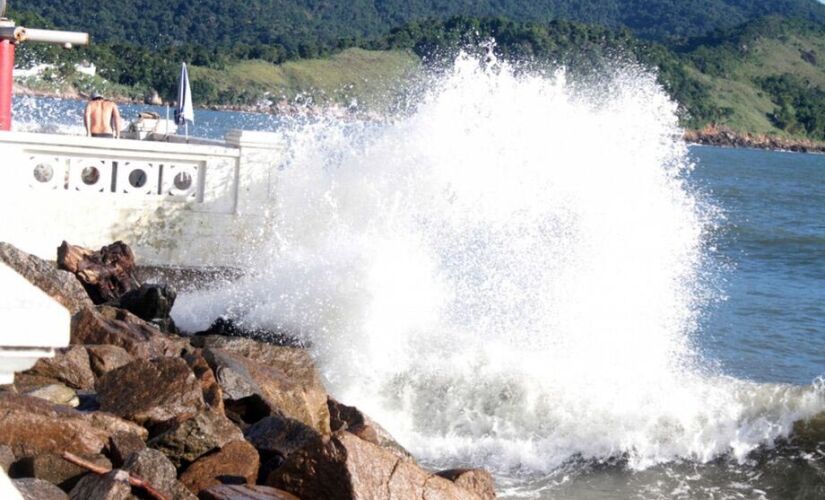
pixel 764 76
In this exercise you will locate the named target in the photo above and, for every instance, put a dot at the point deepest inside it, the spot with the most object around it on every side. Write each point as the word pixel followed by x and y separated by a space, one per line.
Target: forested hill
pixel 301 27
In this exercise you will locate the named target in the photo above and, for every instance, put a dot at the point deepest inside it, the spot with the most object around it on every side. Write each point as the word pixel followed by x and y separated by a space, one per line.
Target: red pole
pixel 6 83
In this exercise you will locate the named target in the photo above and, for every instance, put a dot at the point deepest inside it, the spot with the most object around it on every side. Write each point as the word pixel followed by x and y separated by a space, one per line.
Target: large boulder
pixel 111 486
pixel 353 420
pixel 235 463
pixel 152 303
pixel 245 492
pixel 118 327
pixel 190 439
pixel 284 377
pixel 151 392
pixel 30 426
pixel 106 274
pixel 54 469
pixel 38 489
pixel 70 366
pixel 346 467
pixel 153 467
pixel 60 285
pixel 105 358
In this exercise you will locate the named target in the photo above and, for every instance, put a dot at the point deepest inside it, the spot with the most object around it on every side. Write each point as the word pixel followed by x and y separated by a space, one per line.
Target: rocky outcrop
pixel 106 274
pixel 721 136
pixel 156 391
pixel 60 285
pixel 117 327
pixel 345 467
pixel 235 463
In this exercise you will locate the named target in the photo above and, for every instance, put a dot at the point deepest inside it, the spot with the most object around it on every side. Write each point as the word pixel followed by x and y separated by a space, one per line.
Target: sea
pixel 537 276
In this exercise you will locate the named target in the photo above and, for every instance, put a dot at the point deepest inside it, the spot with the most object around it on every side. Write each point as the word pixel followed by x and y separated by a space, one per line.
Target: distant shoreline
pixel 712 135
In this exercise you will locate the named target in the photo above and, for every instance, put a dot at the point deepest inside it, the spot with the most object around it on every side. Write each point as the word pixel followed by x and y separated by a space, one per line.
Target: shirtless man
pixel 102 118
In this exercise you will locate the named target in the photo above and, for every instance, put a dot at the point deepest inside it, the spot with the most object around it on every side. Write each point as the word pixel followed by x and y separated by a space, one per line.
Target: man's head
pixel 96 96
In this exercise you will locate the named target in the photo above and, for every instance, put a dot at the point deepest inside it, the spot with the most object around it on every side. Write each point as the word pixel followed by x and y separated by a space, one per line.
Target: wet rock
pixel 212 393
pixel 353 420
pixel 809 434
pixel 60 285
pixel 477 481
pixel 346 467
pixel 58 394
pixel 70 366
pixel 122 445
pixel 239 492
pixel 225 327
pixel 106 325
pixel 189 440
pixel 58 428
pixel 105 358
pixel 54 469
pixel 111 486
pixel 281 435
pixel 38 489
pixel 151 392
pixel 235 463
pixel 152 303
pixel 285 378
pixel 7 458
pixel 106 274
pixel 153 467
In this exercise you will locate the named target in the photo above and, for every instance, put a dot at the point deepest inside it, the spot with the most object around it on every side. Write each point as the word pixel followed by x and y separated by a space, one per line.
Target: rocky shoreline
pixel 713 135
pixel 135 408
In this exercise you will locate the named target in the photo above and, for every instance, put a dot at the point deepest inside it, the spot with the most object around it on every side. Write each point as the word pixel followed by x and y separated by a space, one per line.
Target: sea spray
pixel 509 275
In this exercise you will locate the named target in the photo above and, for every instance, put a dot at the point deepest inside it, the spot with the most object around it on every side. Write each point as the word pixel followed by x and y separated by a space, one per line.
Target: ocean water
pixel 541 279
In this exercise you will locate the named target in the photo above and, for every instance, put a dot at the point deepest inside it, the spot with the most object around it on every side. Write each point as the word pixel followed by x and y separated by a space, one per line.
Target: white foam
pixel 508 276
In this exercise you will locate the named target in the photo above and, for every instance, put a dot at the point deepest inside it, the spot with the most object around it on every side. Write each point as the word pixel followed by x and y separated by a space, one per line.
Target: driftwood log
pixel 106 274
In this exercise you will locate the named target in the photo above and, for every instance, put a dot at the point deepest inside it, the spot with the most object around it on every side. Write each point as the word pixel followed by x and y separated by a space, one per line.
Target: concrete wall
pixel 175 204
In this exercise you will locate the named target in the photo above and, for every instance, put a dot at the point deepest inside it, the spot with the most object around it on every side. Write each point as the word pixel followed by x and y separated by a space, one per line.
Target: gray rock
pixel 38 489
pixel 58 394
pixel 189 440
pixel 60 285
pixel 153 467
pixel 111 486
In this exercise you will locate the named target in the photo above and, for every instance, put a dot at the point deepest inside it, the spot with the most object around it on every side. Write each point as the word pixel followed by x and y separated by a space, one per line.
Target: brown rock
pixel 58 428
pixel 212 393
pixel 54 469
pixel 235 463
pixel 123 444
pixel 478 481
pixel 60 285
pixel 106 274
pixel 347 467
pixel 351 419
pixel 151 392
pixel 153 467
pixel 117 327
pixel 189 440
pixel 111 486
pixel 70 366
pixel 293 391
pixel 38 489
pixel 243 492
pixel 105 358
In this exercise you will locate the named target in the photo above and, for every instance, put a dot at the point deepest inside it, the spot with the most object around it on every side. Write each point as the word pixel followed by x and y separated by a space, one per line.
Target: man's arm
pixel 116 121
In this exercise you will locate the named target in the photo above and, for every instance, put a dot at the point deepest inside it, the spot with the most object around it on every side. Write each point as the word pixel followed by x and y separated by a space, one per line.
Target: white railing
pixel 174 203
